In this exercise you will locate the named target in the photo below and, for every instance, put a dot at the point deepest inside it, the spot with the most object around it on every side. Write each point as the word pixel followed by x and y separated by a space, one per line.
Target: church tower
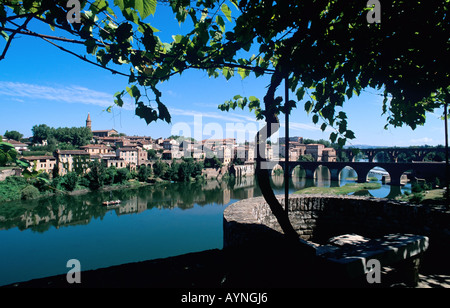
pixel 88 122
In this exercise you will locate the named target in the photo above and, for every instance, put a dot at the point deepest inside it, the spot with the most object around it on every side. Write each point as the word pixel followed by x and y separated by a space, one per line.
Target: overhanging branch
pixel 11 37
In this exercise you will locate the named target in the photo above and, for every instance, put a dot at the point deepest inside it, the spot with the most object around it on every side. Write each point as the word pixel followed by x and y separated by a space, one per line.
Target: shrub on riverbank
pixel 343 190
pixel 11 188
pixel 29 192
pixel 99 176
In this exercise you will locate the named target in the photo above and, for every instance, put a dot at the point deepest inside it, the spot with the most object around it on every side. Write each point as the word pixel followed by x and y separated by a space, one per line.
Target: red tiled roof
pixel 72 152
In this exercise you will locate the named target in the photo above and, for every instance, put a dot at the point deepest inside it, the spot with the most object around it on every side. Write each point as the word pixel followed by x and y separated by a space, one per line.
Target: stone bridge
pixel 418 153
pixel 425 170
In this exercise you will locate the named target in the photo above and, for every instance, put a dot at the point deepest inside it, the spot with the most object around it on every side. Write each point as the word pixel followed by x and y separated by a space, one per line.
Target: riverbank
pixel 343 190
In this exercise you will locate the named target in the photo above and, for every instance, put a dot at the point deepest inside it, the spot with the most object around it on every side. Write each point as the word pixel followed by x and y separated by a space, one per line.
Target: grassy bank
pixel 343 190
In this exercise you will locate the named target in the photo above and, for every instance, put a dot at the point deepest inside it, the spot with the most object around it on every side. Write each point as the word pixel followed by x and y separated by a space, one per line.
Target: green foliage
pixel 143 173
pixel 151 154
pixel 212 162
pixel 73 136
pixel 306 157
pixel 160 168
pixel 8 155
pixel 30 192
pixel 15 135
pixel 327 50
pixel 110 175
pixel 96 175
pixel 416 198
pixel 41 132
pixel 70 181
pixel 123 175
pixel 11 187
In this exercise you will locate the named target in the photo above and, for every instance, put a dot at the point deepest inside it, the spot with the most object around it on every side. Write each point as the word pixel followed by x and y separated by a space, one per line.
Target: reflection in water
pixel 41 214
pixel 39 236
pixel 322 178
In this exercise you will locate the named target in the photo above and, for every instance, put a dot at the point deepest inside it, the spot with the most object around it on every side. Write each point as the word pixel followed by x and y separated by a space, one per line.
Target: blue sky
pixel 40 84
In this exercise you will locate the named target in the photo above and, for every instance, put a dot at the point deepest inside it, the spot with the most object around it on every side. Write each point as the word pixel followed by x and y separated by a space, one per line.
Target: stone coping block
pixel 389 249
pixel 343 232
pixel 317 218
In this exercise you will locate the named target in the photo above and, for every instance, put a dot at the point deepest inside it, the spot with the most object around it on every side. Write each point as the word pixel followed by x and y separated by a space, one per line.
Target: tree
pixel 151 154
pixel 306 157
pixel 212 162
pixel 160 169
pixel 110 175
pixel 325 51
pixel 70 181
pixel 41 132
pixel 13 134
pixel 123 175
pixel 8 154
pixel 143 173
pixel 96 175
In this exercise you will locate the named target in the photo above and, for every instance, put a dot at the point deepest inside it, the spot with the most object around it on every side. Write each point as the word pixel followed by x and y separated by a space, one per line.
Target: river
pixel 38 237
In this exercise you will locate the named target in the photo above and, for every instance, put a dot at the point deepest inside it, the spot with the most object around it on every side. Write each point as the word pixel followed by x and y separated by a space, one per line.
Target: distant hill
pixel 365 146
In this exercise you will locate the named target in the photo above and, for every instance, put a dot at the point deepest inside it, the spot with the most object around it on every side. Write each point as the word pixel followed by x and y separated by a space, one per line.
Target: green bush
pixel 70 181
pixel 416 198
pixel 30 192
pixel 11 187
pixel 416 188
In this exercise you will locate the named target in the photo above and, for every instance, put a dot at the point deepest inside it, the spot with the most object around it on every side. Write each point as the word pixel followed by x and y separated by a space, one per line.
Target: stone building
pixel 72 160
pixel 45 163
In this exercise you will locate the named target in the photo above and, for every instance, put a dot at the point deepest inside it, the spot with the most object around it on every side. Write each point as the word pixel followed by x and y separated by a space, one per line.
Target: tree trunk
pixel 262 175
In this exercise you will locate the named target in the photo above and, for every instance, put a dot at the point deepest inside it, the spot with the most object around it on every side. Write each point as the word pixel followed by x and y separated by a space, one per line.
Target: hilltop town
pixel 114 149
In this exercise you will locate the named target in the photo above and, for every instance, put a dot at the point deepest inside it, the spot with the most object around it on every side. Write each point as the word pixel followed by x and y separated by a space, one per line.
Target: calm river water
pixel 38 237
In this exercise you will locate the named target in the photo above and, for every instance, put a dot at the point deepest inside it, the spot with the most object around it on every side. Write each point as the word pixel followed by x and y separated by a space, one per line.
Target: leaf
pixel 177 38
pixel 5 146
pixel 221 23
pixel 300 93
pixel 350 134
pixel 98 6
pixel 226 11
pixel 243 72
pixel 134 92
pixel 315 119
pixel 227 72
pixel 22 163
pixel 253 99
pixel 341 141
pixel 120 4
pixel 91 46
pixel 164 113
pixel 333 137
pixel 146 113
pixel 145 7
pixel 308 106
pixel 118 102
pixel 4 34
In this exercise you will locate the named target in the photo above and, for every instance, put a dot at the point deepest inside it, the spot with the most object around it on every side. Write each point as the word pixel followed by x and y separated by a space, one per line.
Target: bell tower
pixel 88 122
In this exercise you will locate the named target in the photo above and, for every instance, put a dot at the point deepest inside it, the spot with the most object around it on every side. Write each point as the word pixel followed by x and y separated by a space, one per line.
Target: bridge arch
pixel 275 168
pixel 322 173
pixel 381 157
pixel 347 172
pixel 380 173
pixel 297 171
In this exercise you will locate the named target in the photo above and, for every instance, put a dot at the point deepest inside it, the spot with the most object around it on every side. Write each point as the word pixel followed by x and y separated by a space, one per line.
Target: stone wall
pixel 9 172
pixel 318 218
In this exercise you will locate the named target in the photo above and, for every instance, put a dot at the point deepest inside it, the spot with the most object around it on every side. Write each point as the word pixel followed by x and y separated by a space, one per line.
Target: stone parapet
pixel 317 218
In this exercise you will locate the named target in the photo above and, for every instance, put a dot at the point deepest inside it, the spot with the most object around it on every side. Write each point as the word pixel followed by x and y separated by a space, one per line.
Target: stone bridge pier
pixel 427 170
